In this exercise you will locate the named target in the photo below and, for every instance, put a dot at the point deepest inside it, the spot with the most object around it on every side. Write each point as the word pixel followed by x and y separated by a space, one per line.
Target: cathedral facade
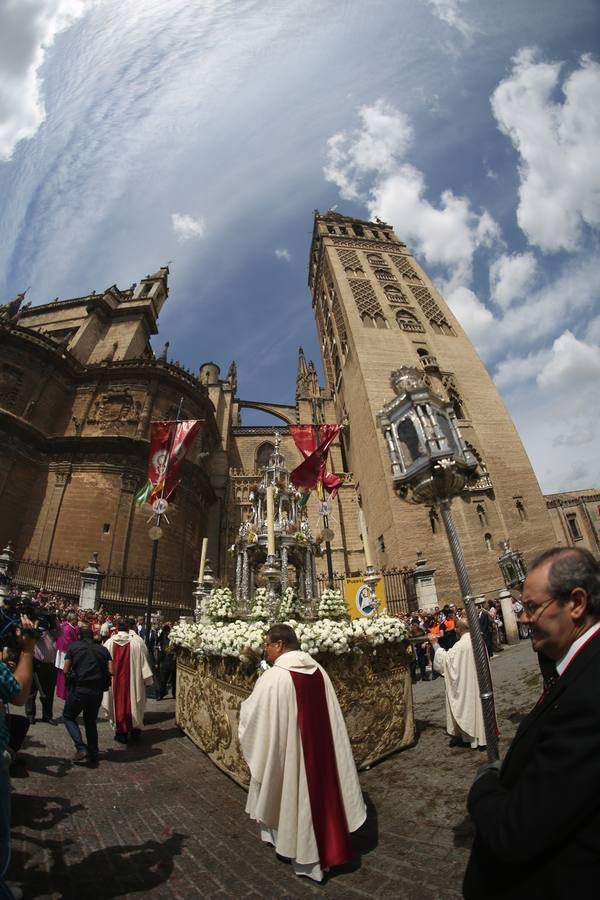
pixel 80 384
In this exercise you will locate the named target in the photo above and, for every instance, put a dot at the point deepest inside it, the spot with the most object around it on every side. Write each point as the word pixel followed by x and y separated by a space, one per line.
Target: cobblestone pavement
pixel 158 820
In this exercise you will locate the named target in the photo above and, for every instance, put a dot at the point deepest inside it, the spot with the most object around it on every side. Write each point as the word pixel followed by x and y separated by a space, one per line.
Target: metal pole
pixel 151 575
pixel 482 666
pixel 325 517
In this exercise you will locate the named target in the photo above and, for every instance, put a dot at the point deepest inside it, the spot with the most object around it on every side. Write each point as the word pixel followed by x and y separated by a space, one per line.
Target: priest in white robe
pixel 126 699
pixel 304 789
pixel 464 714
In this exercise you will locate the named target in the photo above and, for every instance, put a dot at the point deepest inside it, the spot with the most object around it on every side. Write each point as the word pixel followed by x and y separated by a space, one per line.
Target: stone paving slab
pixel 158 820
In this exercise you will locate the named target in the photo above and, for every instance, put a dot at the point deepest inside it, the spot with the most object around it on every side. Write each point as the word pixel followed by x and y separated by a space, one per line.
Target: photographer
pixel 13 689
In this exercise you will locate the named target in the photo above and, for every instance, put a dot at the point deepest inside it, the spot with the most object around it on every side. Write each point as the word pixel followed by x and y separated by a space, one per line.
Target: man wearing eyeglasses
pixel 537 816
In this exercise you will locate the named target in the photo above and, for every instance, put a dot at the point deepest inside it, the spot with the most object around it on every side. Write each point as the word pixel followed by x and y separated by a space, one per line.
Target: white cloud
pixel 27 29
pixel 558 145
pixel 474 317
pixel 283 253
pixel 514 370
pixel 187 228
pixel 369 165
pixel 449 12
pixel 512 276
pixel 375 148
pixel 573 366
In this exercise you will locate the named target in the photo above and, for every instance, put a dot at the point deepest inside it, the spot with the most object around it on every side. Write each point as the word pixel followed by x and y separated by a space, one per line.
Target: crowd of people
pixel 536 814
pixel 60 671
pixel 441 624
pixel 88 658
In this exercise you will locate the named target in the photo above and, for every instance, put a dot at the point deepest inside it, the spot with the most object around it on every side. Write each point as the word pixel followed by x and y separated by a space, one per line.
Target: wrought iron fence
pixel 125 594
pixel 33 575
pixel 128 594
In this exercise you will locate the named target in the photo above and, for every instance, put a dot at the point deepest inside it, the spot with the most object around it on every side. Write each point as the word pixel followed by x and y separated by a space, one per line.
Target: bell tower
pixel 376 310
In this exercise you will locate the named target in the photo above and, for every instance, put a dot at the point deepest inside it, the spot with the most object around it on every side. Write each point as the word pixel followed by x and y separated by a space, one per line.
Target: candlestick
pixel 270 521
pixel 362 522
pixel 202 560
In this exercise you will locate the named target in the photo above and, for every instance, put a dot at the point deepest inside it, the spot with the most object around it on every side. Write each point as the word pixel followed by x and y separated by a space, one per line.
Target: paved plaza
pixel 158 820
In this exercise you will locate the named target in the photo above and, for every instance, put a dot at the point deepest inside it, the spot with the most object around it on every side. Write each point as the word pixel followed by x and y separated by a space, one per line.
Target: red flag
pixel 313 471
pixel 169 442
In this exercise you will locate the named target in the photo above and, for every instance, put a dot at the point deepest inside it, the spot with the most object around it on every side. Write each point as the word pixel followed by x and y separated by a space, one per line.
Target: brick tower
pixel 376 309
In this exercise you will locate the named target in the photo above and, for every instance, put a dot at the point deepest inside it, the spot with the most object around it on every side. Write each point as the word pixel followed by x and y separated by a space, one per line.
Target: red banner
pixel 313 472
pixel 169 443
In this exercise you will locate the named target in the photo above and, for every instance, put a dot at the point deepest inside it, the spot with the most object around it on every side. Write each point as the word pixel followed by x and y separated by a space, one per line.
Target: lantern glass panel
pixel 408 441
pixel 446 429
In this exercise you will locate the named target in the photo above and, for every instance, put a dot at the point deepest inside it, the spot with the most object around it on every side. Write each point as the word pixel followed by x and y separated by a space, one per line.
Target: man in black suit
pixel 537 816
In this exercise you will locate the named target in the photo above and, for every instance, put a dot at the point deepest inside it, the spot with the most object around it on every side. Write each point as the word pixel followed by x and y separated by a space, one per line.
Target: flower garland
pixel 290 607
pixel 332 605
pixel 245 640
pixel 260 610
pixel 221 605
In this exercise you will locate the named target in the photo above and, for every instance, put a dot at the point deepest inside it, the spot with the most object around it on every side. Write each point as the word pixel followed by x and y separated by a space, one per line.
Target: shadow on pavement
pixel 102 875
pixel 364 841
pixel 41 813
pixel 144 748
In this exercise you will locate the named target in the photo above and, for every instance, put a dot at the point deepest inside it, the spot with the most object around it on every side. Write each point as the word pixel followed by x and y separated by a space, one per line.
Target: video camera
pixel 10 620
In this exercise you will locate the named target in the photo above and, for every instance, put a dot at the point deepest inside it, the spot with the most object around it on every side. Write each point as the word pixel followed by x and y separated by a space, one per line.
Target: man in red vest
pixel 304 789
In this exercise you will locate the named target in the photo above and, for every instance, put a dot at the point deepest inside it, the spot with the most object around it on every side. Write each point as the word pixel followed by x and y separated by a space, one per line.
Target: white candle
pixel 202 559
pixel 362 522
pixel 270 521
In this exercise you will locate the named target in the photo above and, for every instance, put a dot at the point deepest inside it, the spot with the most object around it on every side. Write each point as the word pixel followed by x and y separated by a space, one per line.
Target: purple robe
pixel 68 635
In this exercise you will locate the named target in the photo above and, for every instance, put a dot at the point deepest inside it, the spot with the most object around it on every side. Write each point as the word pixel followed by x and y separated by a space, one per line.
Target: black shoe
pixel 92 761
pixel 136 734
pixel 121 738
pixel 49 720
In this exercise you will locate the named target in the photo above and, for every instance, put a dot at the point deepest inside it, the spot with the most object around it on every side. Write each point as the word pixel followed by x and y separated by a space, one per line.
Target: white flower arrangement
pixel 260 610
pixel 290 607
pixel 332 605
pixel 245 640
pixel 221 605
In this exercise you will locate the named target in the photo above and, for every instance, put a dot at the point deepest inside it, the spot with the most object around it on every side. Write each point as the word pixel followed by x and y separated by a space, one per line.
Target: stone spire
pixel 302 378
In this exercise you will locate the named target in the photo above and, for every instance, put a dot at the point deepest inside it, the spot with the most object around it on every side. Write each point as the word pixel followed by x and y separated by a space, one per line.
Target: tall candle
pixel 270 520
pixel 202 560
pixel 362 522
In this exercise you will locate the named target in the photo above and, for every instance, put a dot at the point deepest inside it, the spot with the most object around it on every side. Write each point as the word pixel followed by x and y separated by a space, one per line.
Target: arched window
pixel 367 321
pixel 380 322
pixel 482 515
pixel 262 455
pixel 375 259
pixel 434 521
pixel 395 294
pixel 488 541
pixel 408 322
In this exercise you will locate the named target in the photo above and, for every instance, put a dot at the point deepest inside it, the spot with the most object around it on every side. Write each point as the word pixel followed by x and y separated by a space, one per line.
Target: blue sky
pixel 137 132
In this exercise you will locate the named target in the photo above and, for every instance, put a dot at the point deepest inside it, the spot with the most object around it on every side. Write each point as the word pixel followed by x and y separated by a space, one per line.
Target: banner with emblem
pixel 359 598
pixel 169 443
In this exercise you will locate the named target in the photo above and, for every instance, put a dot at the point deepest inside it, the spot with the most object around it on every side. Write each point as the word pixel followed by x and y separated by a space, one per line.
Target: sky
pixel 203 134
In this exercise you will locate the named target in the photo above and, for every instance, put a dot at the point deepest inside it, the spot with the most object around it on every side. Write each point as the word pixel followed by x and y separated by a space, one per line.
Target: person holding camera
pixel 14 688
pixel 88 673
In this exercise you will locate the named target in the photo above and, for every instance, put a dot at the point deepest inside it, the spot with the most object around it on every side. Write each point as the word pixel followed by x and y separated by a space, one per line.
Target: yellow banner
pixel 359 598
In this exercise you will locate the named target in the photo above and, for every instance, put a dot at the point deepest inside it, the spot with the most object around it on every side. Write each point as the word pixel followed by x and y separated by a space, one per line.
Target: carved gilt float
pixel 374 690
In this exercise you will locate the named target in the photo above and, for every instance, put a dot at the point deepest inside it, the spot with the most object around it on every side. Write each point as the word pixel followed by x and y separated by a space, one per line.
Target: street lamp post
pixel 431 464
